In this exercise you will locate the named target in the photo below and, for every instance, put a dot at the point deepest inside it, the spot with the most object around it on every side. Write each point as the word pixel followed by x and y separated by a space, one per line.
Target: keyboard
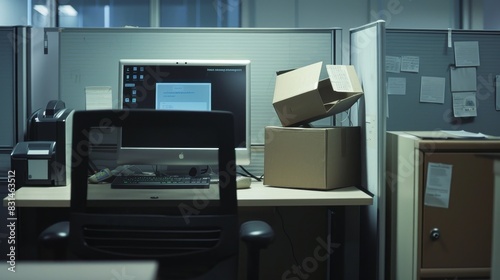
pixel 160 182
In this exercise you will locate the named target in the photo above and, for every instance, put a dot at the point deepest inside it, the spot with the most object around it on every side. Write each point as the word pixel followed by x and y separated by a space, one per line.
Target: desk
pixel 306 224
pixel 256 195
pixel 81 270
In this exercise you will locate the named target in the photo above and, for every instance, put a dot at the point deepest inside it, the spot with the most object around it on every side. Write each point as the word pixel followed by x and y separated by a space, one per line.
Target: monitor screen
pixel 192 85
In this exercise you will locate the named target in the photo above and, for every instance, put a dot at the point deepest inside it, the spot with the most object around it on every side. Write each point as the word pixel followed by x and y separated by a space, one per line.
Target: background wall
pixel 348 14
pixel 16 12
pixel 464 14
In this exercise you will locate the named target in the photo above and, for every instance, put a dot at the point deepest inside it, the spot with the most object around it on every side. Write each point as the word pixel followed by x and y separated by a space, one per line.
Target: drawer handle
pixel 435 234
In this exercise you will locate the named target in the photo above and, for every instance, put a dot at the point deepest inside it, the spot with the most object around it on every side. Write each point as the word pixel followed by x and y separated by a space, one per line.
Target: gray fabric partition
pixel 7 114
pixel 15 59
pixel 89 57
pixel 436 56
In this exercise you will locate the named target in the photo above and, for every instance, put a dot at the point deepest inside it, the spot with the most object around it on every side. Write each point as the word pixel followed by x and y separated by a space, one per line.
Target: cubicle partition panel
pixel 14 60
pixel 44 67
pixel 367 51
pixel 452 66
pixel 7 107
pixel 89 57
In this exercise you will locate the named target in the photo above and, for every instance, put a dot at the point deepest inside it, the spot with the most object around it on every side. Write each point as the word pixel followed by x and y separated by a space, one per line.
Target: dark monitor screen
pixel 193 85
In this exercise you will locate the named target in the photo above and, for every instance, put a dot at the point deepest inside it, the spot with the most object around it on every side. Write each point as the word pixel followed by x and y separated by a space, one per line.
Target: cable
pixel 287 236
pixel 347 117
pixel 205 170
pixel 248 174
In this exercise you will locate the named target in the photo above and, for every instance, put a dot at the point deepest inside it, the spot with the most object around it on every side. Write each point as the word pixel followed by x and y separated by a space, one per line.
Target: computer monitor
pixel 203 85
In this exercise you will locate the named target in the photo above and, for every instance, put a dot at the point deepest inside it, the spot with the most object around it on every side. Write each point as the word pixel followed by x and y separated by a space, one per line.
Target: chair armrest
pixel 256 234
pixel 56 233
pixel 53 242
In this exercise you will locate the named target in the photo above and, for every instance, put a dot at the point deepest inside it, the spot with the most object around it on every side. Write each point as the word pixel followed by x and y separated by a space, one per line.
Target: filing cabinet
pixel 439 206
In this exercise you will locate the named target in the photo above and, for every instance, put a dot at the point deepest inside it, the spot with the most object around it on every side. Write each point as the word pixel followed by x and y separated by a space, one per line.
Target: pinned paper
pixel 432 89
pixel 467 54
pixel 410 64
pixel 497 93
pixel 438 184
pixel 463 79
pixel 392 64
pixel 464 104
pixel 449 38
pixel 396 86
pixel 98 98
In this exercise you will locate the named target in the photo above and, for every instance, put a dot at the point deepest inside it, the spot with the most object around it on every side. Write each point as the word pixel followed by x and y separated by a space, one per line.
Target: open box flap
pixel 341 105
pixel 296 82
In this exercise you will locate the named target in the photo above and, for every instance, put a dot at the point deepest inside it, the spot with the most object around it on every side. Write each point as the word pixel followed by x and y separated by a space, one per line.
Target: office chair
pixel 189 239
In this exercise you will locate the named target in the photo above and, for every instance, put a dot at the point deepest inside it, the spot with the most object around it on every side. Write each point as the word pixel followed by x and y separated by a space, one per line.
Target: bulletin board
pixel 447 80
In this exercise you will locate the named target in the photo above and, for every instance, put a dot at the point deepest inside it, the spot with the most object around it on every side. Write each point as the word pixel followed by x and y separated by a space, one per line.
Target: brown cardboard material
pixel 300 97
pixel 312 158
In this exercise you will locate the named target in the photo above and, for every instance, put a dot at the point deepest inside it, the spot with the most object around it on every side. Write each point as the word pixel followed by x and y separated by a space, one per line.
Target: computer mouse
pixel 243 182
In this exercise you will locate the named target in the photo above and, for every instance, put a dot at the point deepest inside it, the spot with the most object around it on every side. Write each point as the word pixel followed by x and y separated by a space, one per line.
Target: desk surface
pixel 256 195
pixel 79 270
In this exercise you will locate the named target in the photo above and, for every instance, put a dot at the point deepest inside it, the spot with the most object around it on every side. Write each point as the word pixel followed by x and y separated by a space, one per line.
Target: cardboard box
pixel 300 97
pixel 312 158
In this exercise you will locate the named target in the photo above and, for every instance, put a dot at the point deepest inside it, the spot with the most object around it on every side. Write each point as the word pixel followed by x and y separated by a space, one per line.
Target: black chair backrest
pixel 187 238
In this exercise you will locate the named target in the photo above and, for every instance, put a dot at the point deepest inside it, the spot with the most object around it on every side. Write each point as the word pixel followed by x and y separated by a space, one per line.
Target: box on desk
pixel 312 158
pixel 300 97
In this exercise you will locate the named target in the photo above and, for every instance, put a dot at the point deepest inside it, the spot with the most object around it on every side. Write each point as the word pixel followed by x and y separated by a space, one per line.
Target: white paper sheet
pixel 410 64
pixel 432 89
pixel 464 104
pixel 438 184
pixel 98 98
pixel 392 64
pixel 497 93
pixel 467 53
pixel 396 86
pixel 341 82
pixel 464 134
pixel 463 79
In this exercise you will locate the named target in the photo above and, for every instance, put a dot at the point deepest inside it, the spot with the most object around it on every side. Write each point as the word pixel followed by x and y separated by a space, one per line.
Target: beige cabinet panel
pixel 431 241
pixel 465 228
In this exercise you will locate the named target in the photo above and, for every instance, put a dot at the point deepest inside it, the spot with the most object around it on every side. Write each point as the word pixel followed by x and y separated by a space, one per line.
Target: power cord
pixel 249 174
pixel 287 235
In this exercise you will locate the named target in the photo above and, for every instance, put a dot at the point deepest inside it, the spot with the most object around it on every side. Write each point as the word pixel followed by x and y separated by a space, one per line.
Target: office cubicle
pixel 89 57
pixel 435 52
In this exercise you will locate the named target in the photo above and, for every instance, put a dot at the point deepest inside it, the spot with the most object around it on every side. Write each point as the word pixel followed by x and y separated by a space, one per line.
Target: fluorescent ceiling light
pixel 41 9
pixel 67 10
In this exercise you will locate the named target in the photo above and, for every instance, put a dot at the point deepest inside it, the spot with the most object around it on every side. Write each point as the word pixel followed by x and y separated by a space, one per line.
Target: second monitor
pixel 196 85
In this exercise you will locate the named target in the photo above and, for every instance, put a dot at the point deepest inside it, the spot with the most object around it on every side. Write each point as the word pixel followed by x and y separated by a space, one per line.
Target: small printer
pixel 35 164
pixel 46 125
